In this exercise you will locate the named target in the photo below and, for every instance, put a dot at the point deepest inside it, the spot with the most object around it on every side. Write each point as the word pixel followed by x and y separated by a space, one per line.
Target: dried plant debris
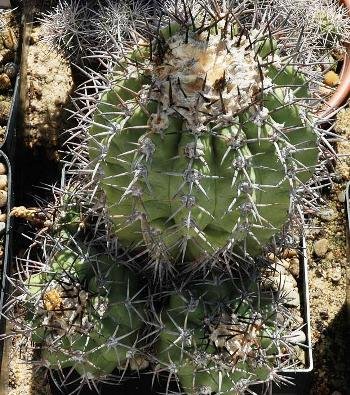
pixel 9 37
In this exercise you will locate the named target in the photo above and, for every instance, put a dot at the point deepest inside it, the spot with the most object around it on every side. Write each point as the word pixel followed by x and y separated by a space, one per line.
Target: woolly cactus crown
pixel 203 136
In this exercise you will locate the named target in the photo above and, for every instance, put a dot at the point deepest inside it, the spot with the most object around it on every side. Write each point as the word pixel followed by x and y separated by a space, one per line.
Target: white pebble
pixel 3 181
pixel 292 299
pixel 327 214
pixel 3 169
pixel 3 198
pixel 321 247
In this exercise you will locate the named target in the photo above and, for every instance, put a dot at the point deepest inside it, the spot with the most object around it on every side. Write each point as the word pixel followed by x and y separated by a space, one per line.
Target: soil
pixel 24 377
pixel 328 280
pixel 50 84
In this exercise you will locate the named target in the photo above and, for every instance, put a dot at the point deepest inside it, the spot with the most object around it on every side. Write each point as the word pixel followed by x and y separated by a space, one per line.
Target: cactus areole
pixel 203 138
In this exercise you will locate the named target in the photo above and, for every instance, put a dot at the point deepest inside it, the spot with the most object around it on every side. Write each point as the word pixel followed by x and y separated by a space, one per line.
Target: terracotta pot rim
pixel 343 90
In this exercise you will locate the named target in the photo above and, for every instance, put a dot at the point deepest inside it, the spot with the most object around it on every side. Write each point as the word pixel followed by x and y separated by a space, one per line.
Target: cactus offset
pixel 221 336
pixel 82 307
pixel 82 323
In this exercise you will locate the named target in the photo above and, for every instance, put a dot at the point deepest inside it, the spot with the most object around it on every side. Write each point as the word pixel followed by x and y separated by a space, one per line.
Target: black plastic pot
pixel 5 269
pixel 301 378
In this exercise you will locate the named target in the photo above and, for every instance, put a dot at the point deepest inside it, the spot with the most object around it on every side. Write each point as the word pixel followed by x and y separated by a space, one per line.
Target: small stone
pixel 287 282
pixel 321 247
pixel 290 253
pixel 3 169
pixel 292 298
pixel 9 39
pixel 327 214
pixel 5 82
pixel 3 198
pixel 10 69
pixel 336 275
pixel 301 355
pixel 271 256
pixel 3 181
pixel 341 196
pixel 285 263
pixel 281 265
pixel 2 227
pixel 294 267
pixel 324 314
pixel 298 318
pixel 278 268
pixel 296 337
pixel 3 217
pixel 5 108
pixel 279 282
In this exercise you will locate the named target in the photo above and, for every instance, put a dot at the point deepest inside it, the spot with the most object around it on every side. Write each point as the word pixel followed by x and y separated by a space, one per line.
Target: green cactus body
pixel 84 308
pixel 97 338
pixel 202 141
pixel 213 338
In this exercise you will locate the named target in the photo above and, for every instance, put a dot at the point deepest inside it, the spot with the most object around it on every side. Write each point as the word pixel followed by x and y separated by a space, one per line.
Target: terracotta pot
pixel 343 90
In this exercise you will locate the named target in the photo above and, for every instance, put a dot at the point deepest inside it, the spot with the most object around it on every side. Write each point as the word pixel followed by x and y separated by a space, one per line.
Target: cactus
pixel 81 28
pixel 197 140
pixel 203 138
pixel 83 307
pixel 325 25
pixel 221 335
pixel 67 27
pixel 88 313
